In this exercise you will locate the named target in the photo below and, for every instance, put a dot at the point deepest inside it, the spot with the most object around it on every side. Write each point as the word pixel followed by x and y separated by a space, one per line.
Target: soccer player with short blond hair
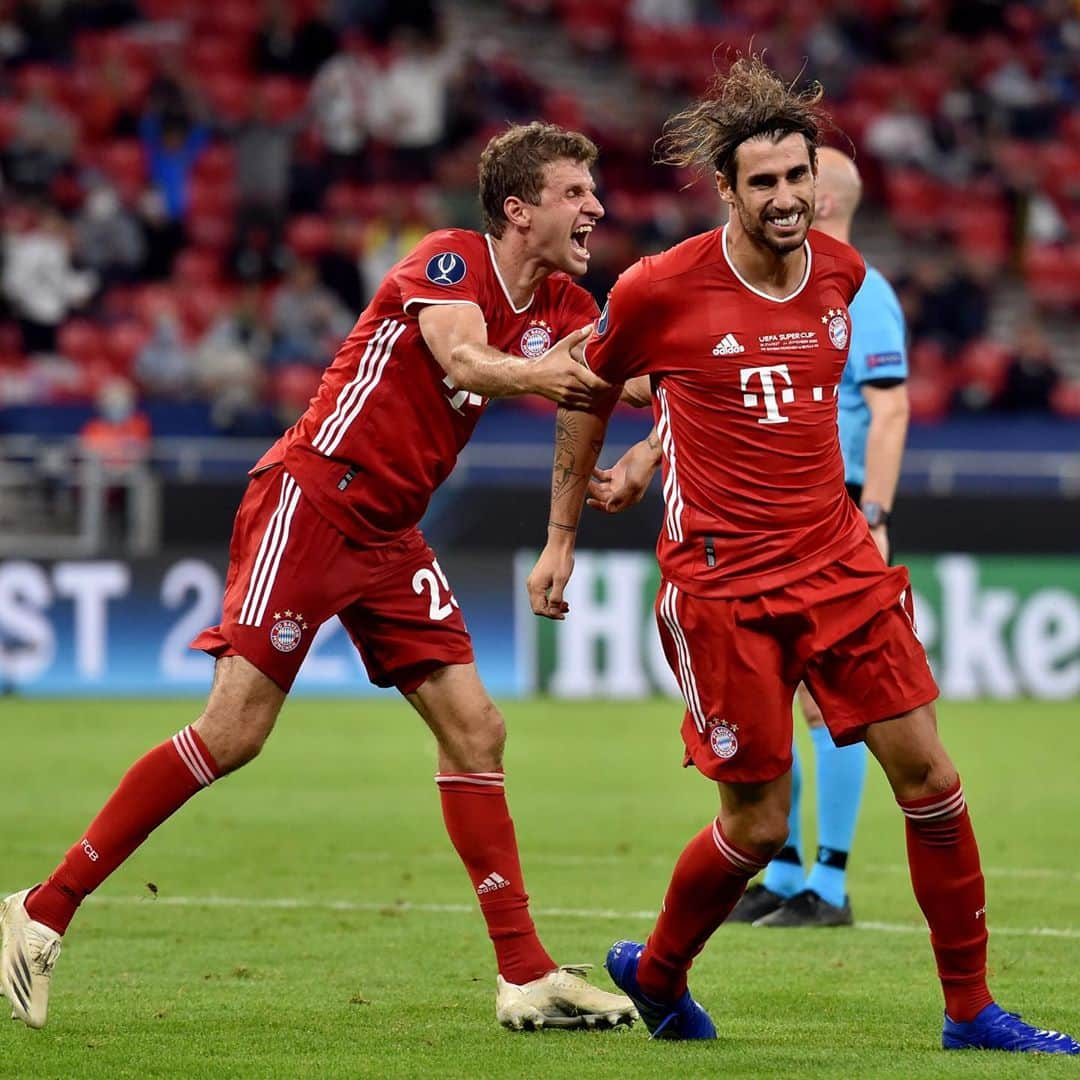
pixel 329 527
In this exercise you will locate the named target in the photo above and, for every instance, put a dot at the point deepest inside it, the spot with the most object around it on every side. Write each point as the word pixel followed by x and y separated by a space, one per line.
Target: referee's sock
pixel 784 874
pixel 841 772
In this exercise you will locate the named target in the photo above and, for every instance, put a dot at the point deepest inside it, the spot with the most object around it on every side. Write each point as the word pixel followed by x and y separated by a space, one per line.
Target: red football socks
pixel 948 884
pixel 478 821
pixel 709 878
pixel 156 786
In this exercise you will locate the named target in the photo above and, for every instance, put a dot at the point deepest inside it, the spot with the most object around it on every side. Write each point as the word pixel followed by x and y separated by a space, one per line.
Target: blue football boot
pixel 995 1029
pixel 682 1019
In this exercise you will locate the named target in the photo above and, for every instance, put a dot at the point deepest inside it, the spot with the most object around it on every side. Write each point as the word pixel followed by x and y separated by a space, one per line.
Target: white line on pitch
pixel 1022 873
pixel 393 907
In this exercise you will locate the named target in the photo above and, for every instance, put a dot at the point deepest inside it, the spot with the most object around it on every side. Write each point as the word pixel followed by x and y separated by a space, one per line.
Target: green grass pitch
pixel 311 919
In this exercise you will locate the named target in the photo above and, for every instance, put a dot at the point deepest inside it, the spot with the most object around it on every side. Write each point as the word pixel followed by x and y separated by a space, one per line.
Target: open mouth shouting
pixel 579 240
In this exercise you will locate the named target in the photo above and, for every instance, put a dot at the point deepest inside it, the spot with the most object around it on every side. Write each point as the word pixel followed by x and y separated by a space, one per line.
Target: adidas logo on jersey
pixel 491 883
pixel 727 346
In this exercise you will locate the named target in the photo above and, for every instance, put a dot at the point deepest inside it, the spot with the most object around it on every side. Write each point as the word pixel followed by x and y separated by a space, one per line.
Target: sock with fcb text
pixel 784 874
pixel 153 789
pixel 841 772
pixel 948 884
pixel 709 878
pixel 482 832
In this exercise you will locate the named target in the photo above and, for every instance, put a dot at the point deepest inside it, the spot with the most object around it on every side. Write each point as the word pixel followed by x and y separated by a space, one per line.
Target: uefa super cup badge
pixel 723 741
pixel 287 630
pixel 836 321
pixel 536 340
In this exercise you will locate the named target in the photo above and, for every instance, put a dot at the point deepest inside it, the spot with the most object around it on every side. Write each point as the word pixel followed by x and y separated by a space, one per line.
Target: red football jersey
pixel 744 397
pixel 387 424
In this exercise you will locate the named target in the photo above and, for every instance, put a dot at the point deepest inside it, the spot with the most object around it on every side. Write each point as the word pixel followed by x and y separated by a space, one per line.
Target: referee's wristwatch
pixel 875 514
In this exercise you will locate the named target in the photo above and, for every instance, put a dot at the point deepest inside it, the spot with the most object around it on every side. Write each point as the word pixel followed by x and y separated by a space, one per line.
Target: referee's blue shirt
pixel 878 351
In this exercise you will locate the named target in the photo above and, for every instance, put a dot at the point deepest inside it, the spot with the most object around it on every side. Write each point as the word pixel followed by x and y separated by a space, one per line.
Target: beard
pixel 758 231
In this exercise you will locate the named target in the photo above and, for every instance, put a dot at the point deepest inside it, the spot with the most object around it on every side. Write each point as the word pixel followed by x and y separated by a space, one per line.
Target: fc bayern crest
pixel 723 741
pixel 838 327
pixel 285 634
pixel 536 340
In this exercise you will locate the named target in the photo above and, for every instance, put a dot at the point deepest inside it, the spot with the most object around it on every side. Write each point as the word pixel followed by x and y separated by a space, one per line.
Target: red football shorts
pixel 848 631
pixel 290 570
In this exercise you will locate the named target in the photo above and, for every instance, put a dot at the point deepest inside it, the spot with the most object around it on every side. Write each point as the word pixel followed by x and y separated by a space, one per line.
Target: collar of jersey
pixel 757 292
pixel 502 284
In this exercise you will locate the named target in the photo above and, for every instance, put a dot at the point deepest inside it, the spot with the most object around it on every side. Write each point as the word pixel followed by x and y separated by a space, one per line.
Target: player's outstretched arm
pixel 456 334
pixel 625 483
pixel 579 437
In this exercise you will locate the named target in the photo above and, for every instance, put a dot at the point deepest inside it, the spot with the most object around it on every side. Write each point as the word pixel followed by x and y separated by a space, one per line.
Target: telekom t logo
pixel 773 415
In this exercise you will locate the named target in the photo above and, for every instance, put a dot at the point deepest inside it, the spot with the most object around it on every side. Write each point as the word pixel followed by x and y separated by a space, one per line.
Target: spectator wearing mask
pixel 164 365
pixel 309 323
pixel 108 238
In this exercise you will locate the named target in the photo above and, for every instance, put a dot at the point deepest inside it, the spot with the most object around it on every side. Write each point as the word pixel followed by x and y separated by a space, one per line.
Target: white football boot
pixel 560 999
pixel 28 951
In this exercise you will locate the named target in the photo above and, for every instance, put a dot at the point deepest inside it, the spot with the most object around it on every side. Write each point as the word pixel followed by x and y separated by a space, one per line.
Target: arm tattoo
pixel 653 440
pixel 568 475
pixel 564 477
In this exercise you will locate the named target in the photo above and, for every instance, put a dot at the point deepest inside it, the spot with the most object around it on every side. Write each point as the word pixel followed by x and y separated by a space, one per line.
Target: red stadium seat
pixel 308 235
pixel 165 10
pixel 296 385
pixel 1052 277
pixel 1065 400
pixel 216 165
pixel 233 20
pixel 1019 158
pixel 211 230
pixel 916 201
pixel 928 361
pixel 595 27
pixel 1070 127
pixel 123 343
pixel 41 78
pixel 124 163
pixel 81 341
pixel 200 306
pixel 564 109
pixel 196 266
pixel 149 301
pixel 928 398
pixel 980 225
pixel 284 97
pixel 990 52
pixel 9 118
pixel 879 84
pixel 927 83
pixel 984 365
pixel 655 54
pixel 1060 165
pixel 209 197
pixel 228 92
pixel 212 54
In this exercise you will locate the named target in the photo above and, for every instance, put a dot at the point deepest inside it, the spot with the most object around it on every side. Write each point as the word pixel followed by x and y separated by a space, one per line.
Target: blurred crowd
pixel 199 196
